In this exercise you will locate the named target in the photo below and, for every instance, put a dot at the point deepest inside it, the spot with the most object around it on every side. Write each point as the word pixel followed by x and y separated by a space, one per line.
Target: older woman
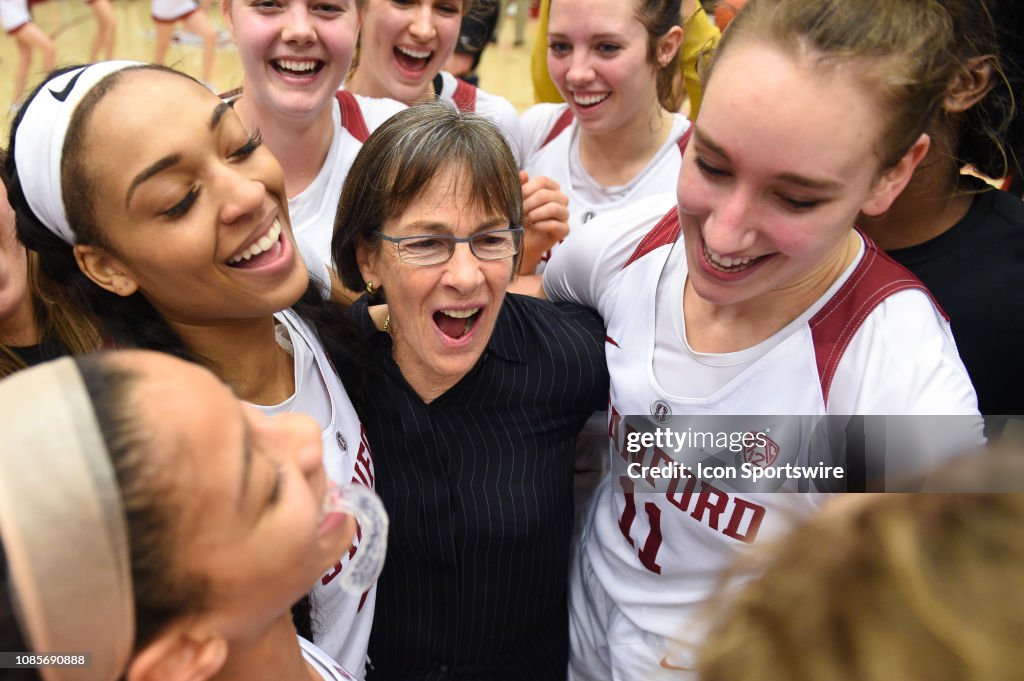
pixel 478 399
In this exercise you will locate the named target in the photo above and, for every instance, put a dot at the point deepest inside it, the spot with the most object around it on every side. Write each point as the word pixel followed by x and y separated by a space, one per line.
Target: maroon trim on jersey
pixel 352 115
pixel 875 278
pixel 561 123
pixel 464 96
pixel 684 140
pixel 1007 183
pixel 230 94
pixel 664 233
pixel 609 339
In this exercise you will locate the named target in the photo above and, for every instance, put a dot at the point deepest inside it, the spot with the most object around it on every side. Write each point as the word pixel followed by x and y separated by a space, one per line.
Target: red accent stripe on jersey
pixel 1007 181
pixel 684 140
pixel 609 339
pixel 230 94
pixel 561 123
pixel 464 96
pixel 665 232
pixel 352 116
pixel 875 278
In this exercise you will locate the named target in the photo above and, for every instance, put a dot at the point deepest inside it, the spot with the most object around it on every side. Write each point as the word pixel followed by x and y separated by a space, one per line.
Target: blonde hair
pixel 915 587
pixel 903 50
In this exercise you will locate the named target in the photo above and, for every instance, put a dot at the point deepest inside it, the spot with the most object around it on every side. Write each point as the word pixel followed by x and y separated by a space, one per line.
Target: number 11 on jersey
pixel 649 552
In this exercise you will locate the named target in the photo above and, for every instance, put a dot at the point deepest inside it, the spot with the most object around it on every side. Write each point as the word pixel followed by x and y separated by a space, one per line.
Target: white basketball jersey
pixel 874 343
pixel 313 210
pixel 551 149
pixel 321 662
pixel 341 620
pixel 469 98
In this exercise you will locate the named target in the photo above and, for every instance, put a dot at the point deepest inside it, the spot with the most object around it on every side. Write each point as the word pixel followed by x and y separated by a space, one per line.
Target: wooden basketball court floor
pixel 504 70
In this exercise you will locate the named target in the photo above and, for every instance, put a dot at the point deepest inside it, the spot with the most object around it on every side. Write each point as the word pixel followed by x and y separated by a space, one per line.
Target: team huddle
pixel 221 314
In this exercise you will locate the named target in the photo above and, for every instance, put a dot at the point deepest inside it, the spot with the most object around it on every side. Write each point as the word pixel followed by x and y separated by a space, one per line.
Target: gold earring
pixel 369 287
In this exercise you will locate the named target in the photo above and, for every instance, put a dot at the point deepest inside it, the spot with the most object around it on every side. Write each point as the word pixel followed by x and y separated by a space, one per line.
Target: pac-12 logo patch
pixel 661 412
pixel 758 455
pixel 342 442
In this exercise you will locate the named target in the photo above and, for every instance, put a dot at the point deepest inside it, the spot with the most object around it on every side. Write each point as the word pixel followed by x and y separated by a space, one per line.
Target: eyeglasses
pixel 434 249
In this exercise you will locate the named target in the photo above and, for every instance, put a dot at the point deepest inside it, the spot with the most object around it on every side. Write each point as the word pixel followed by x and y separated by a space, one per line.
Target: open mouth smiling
pixel 264 249
pixel 411 58
pixel 297 67
pixel 457 324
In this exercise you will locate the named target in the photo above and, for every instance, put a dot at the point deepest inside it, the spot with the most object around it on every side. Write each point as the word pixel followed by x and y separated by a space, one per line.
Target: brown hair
pixel 902 49
pixel 63 327
pixel 400 159
pixel 916 587
pixel 658 17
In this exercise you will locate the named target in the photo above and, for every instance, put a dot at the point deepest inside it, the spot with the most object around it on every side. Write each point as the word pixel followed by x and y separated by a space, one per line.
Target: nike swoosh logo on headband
pixel 63 94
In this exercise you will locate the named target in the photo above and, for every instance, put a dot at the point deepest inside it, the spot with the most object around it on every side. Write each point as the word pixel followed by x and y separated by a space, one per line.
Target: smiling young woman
pixel 617 139
pixel 295 56
pixel 194 522
pixel 754 294
pixel 181 242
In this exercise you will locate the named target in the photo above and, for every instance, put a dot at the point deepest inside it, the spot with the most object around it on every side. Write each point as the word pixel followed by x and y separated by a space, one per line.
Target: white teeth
pixel 460 314
pixel 415 54
pixel 264 243
pixel 726 262
pixel 298 66
pixel 588 100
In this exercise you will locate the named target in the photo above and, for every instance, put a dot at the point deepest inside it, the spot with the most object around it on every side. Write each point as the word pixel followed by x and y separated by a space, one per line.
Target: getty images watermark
pixel 784 453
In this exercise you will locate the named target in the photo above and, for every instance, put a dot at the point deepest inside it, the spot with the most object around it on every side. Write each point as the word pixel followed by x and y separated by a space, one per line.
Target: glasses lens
pixel 427 250
pixel 495 245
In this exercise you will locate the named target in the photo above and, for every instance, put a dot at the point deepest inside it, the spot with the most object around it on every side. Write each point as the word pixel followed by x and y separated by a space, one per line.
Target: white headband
pixel 63 525
pixel 39 141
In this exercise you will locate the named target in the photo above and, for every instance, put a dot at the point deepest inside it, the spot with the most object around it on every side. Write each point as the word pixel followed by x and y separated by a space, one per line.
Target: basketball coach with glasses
pixel 473 408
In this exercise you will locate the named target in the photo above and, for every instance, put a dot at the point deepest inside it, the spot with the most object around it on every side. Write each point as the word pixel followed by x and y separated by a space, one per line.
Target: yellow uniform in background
pixel 699 33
